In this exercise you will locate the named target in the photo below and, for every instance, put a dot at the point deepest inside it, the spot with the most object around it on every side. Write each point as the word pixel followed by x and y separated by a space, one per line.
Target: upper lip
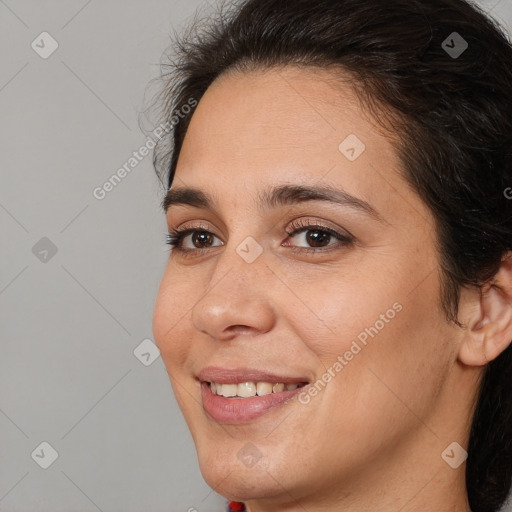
pixel 238 375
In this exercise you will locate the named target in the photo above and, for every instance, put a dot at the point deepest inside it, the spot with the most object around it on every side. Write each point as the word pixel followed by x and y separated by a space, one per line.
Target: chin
pixel 225 472
pixel 241 485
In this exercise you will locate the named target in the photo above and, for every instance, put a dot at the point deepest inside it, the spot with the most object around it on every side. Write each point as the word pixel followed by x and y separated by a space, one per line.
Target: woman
pixel 336 312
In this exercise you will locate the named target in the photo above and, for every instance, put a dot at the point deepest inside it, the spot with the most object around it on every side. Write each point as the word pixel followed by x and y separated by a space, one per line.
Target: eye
pixel 316 236
pixel 198 238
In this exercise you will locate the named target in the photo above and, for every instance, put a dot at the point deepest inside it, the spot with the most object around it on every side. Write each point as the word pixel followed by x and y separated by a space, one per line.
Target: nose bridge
pixel 243 258
pixel 238 292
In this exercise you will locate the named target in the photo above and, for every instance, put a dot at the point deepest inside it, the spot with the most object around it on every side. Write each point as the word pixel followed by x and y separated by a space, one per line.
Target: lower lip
pixel 242 410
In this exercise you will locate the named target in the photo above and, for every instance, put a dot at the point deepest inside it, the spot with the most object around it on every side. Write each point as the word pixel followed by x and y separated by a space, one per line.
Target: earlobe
pixel 489 330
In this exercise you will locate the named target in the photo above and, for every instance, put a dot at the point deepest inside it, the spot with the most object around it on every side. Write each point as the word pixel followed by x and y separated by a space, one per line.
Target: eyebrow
pixel 273 198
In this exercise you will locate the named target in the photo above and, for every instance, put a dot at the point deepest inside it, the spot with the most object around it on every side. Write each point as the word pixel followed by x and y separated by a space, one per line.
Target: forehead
pixel 283 115
pixel 276 108
pixel 289 125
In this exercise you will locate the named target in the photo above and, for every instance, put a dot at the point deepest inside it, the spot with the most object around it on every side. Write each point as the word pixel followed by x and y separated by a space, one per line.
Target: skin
pixel 372 439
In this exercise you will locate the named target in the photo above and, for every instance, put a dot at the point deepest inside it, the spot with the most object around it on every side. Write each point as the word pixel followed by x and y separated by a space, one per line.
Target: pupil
pixel 201 238
pixel 316 241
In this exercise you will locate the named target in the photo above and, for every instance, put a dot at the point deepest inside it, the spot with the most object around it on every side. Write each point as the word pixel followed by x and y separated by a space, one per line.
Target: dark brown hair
pixel 452 120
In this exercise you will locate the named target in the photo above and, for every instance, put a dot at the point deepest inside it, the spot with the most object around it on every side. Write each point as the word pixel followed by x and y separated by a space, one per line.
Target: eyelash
pixel 175 238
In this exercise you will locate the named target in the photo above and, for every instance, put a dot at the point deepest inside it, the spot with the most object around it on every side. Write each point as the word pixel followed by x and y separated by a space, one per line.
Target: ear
pixel 489 323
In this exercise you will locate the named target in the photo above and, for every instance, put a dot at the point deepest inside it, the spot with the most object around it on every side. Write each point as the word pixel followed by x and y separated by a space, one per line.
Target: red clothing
pixel 235 506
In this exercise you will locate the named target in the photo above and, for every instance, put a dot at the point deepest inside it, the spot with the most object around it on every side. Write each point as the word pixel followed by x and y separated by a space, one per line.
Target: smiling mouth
pixel 252 389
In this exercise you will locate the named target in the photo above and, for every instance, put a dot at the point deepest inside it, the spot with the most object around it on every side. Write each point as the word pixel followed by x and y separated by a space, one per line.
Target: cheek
pixel 170 318
pixel 398 375
pixel 382 336
pixel 330 310
pixel 171 315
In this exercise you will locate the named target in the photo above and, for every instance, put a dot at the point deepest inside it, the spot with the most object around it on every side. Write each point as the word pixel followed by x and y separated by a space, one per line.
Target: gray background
pixel 70 321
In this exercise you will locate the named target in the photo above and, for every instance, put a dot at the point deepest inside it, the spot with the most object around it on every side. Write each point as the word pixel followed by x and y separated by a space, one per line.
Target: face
pixel 306 261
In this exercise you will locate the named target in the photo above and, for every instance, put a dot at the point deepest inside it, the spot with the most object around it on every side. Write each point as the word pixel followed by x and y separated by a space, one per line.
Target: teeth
pixel 249 389
pixel 246 389
pixel 227 390
pixel 263 388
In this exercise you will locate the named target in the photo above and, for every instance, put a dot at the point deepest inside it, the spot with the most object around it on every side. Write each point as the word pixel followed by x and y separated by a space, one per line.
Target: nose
pixel 236 300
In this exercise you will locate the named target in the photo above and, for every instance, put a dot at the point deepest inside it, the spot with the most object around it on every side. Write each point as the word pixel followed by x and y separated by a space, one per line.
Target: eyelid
pixel 303 224
pixel 199 226
pixel 291 227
